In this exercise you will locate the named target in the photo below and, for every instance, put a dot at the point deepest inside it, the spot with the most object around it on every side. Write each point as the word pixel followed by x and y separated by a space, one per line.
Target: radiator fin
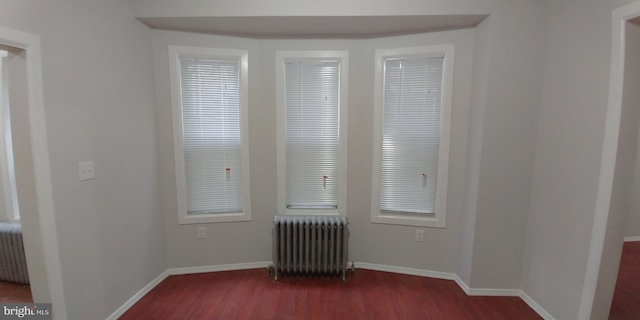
pixel 13 264
pixel 310 246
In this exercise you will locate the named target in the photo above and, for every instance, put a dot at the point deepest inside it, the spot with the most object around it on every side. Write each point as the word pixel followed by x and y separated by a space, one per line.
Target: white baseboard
pixel 223 267
pixel 469 291
pixel 494 292
pixel 631 239
pixel 409 271
pixel 535 306
pixel 136 297
pixel 463 285
pixel 361 265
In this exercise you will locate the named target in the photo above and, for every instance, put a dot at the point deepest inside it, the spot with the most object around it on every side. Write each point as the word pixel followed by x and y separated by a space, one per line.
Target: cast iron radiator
pixel 310 246
pixel 13 264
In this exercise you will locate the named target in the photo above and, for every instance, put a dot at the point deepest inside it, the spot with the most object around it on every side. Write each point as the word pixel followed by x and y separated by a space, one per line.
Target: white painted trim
pixel 485 292
pixel 218 268
pixel 535 306
pixel 41 165
pixel 608 157
pixel 139 295
pixel 438 220
pixel 631 239
pixel 409 271
pixel 463 285
pixel 176 111
pixel 281 57
pixel 467 290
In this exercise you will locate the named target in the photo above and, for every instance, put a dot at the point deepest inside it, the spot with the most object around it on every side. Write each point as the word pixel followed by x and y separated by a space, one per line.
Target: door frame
pixel 595 258
pixel 41 166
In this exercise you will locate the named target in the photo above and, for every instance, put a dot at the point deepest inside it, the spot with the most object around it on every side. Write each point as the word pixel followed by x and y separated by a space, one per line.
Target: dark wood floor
pixel 251 294
pixel 15 293
pixel 626 298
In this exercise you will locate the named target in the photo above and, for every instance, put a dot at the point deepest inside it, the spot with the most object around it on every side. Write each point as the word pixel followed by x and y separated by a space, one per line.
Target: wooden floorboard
pixel 251 294
pixel 15 293
pixel 626 297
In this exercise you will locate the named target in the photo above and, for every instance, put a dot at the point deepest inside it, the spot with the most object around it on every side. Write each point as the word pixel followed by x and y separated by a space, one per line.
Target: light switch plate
pixel 85 170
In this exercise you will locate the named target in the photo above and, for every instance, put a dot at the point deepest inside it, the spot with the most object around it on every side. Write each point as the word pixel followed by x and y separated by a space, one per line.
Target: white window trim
pixel 281 58
pixel 437 220
pixel 176 108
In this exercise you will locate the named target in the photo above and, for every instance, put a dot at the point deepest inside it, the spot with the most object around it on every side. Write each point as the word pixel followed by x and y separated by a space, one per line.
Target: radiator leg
pixel 345 251
pixel 274 234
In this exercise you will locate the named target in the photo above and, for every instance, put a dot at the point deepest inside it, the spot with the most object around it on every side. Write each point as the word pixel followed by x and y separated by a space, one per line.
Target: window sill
pixel 430 221
pixel 214 218
pixel 311 212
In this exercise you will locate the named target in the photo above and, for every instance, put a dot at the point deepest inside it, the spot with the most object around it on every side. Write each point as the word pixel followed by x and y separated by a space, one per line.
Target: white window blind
pixel 411 134
pixel 312 120
pixel 210 100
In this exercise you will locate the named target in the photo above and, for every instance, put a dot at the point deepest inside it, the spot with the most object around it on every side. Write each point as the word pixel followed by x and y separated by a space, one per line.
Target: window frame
pixel 175 52
pixel 312 55
pixel 438 219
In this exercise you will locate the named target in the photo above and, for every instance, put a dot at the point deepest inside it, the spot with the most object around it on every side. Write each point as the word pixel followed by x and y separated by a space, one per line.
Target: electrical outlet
pixel 85 170
pixel 419 235
pixel 201 232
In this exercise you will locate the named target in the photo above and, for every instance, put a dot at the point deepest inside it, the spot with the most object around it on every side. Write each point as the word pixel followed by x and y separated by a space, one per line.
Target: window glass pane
pixel 312 110
pixel 210 90
pixel 411 134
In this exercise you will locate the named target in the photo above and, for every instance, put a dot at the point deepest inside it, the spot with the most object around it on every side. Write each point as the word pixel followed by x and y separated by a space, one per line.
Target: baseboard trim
pixel 535 306
pixel 469 291
pixel 217 268
pixel 463 285
pixel 136 297
pixel 360 265
pixel 631 239
pixel 409 271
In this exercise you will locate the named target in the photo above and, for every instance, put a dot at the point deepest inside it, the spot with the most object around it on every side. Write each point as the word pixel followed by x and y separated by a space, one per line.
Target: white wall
pixel 631 99
pixel 397 246
pixel 568 150
pixel 512 82
pixel 226 242
pixel 489 208
pixel 98 98
pixel 539 84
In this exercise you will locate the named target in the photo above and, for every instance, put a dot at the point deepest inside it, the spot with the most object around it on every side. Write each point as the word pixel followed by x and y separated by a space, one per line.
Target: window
pixel 209 104
pixel 312 115
pixel 411 135
pixel 8 189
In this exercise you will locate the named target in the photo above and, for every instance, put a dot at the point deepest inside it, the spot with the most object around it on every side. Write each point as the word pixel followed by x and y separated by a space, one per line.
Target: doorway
pixel 37 214
pixel 14 277
pixel 615 181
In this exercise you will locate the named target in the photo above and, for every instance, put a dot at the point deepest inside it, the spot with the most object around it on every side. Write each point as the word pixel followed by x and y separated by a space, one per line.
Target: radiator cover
pixel 310 246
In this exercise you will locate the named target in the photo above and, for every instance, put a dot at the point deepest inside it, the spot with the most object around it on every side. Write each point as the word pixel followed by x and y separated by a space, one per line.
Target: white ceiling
pixel 315 26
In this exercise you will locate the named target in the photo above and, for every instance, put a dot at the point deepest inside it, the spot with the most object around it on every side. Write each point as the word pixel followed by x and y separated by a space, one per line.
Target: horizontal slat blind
pixel 312 103
pixel 210 91
pixel 411 134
